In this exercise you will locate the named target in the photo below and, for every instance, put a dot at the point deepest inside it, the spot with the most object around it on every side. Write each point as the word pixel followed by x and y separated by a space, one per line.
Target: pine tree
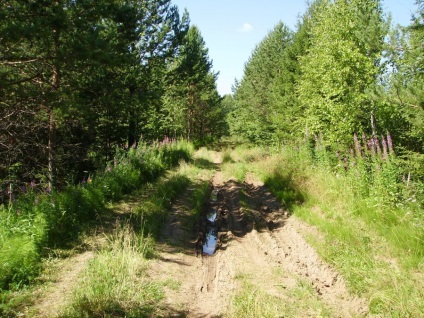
pixel 191 101
pixel 256 115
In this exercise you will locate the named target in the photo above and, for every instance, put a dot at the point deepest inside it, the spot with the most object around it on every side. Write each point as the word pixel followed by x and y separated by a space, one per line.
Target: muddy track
pixel 255 238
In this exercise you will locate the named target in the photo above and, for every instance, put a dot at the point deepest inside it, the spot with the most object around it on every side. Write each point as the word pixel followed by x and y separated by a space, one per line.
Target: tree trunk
pixel 55 82
pixel 132 130
pixel 51 150
pixel 374 130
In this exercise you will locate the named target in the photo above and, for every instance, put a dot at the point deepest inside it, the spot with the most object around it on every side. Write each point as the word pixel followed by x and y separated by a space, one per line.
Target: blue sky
pixel 232 28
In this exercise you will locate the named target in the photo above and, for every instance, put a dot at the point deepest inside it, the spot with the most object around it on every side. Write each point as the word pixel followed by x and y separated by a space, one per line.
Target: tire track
pixel 258 243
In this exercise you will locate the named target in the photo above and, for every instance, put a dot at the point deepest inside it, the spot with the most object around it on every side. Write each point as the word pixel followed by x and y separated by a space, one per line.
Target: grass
pixel 159 197
pixel 115 282
pixel 37 224
pixel 252 301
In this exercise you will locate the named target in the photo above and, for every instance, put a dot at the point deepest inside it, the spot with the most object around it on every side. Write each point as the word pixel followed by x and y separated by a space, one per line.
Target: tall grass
pixel 115 283
pixel 154 209
pixel 34 222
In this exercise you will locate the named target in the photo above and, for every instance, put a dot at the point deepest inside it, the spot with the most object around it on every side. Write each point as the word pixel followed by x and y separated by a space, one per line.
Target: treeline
pixel 345 70
pixel 79 79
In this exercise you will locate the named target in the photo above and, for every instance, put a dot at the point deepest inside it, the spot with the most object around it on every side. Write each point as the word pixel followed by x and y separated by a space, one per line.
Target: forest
pixel 99 100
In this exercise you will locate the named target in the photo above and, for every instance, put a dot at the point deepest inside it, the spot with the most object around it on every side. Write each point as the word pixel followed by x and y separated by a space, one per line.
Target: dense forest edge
pixel 101 103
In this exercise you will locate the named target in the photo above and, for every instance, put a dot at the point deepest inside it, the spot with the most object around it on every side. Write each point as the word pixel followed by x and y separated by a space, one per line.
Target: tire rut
pixel 256 240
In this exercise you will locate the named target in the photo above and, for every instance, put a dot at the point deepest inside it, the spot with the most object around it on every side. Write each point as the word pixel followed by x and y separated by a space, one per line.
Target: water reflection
pixel 210 241
pixel 211 216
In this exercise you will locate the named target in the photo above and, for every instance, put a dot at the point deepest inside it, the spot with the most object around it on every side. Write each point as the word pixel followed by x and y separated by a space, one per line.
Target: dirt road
pixel 244 252
pixel 258 245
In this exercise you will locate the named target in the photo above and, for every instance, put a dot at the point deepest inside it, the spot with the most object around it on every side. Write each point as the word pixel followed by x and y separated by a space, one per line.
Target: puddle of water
pixel 211 236
pixel 210 241
pixel 211 216
pixel 214 195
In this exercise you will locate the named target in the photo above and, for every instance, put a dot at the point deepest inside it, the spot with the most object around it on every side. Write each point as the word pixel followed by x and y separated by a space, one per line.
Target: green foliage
pixel 192 106
pixel 283 188
pixel 253 114
pixel 80 80
pixel 57 219
pixel 340 67
pixel 67 213
pixel 404 88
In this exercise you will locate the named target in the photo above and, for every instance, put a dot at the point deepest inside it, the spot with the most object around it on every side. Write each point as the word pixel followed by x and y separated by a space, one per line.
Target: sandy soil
pixel 256 238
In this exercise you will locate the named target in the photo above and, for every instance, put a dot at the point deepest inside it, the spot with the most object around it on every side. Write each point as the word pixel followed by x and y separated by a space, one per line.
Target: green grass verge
pixel 372 233
pixel 36 223
pixel 115 283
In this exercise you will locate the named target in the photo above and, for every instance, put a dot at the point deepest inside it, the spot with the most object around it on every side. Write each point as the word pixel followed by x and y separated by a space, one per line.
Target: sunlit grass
pixel 115 282
pixel 299 300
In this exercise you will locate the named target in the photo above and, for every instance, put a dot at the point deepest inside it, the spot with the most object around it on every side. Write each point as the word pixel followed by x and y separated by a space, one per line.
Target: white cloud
pixel 245 28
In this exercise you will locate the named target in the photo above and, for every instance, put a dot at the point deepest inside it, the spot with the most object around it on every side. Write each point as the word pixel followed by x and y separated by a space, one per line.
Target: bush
pixel 21 235
pixel 66 213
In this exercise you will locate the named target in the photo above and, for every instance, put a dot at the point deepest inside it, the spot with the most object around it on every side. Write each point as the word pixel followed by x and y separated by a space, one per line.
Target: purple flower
pixel 32 184
pixel 377 146
pixel 357 145
pixel 385 153
pixel 371 146
pixel 390 143
pixel 364 142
